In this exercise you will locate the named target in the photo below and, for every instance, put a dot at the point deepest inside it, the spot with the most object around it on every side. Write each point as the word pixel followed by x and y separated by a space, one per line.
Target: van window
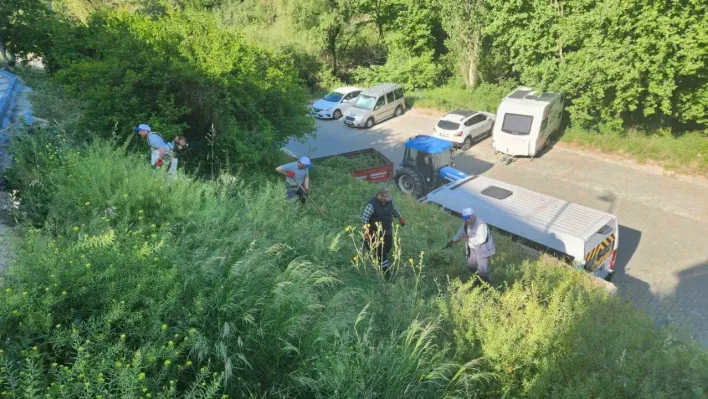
pixel 389 97
pixel 399 93
pixel 516 124
pixel 381 101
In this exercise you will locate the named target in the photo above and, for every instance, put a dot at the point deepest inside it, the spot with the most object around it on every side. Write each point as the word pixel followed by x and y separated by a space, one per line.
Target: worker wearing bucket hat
pixel 297 178
pixel 479 243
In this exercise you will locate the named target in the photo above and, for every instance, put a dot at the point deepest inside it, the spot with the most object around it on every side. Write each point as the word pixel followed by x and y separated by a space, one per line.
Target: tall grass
pixel 127 283
pixel 687 153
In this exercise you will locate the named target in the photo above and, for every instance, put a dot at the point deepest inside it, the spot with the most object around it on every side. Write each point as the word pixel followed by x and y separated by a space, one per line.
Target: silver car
pixel 375 105
pixel 335 103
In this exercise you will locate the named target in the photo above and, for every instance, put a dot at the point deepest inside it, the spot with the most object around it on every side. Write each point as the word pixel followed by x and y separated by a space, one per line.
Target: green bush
pixel 552 334
pixel 486 97
pixel 183 73
pixel 410 71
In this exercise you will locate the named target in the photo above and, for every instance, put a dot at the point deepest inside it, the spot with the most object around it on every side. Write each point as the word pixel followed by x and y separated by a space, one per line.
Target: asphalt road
pixel 662 261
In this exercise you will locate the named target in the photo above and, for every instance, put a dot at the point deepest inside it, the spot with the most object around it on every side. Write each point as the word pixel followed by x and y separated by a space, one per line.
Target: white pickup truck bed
pixel 561 225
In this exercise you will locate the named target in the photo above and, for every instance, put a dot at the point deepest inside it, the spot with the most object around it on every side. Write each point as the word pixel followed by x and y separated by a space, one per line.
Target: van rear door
pixel 601 250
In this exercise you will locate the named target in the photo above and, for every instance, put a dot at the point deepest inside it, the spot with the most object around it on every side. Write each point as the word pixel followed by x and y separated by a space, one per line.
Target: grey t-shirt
pixel 300 174
pixel 155 141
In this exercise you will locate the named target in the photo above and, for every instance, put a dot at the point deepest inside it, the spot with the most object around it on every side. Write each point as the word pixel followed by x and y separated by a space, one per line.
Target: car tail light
pixel 458 134
pixel 612 262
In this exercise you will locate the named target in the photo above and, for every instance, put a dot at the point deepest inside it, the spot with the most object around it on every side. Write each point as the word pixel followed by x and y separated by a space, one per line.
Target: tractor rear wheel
pixel 410 182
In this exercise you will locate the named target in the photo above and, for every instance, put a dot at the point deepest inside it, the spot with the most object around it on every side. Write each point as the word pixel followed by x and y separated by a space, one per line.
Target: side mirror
pixel 377 107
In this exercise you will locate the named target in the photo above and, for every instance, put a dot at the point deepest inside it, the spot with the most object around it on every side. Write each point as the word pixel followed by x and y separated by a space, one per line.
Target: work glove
pixel 158 163
pixel 402 221
pixel 290 174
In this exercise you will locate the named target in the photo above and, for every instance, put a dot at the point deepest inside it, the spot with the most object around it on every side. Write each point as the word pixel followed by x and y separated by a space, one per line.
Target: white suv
pixel 463 127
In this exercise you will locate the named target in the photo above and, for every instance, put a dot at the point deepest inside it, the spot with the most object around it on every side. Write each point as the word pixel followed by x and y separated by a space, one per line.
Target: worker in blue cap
pixel 479 243
pixel 161 148
pixel 297 178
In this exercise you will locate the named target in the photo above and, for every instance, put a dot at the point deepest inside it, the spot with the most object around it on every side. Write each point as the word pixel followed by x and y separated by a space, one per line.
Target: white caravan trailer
pixel 525 120
pixel 585 236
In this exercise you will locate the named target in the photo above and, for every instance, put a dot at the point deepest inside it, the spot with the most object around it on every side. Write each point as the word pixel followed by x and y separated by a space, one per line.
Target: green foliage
pixel 685 153
pixel 181 71
pixel 353 163
pixel 136 284
pixel 24 28
pixel 412 72
pixel 551 334
pixel 486 97
pixel 616 67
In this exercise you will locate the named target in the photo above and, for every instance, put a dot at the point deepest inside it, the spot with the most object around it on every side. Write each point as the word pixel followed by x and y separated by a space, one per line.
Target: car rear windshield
pixel 333 97
pixel 517 124
pixel 447 125
pixel 365 102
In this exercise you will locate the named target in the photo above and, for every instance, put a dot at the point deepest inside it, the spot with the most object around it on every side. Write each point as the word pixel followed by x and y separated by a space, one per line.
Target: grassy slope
pixel 686 154
pixel 227 277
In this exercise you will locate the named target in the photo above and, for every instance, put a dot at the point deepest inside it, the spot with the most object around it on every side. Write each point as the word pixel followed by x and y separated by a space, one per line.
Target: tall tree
pixel 23 26
pixel 381 12
pixel 331 23
pixel 464 20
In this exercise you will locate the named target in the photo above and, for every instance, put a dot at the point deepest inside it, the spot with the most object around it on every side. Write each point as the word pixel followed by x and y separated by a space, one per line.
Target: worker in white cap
pixel 297 178
pixel 479 243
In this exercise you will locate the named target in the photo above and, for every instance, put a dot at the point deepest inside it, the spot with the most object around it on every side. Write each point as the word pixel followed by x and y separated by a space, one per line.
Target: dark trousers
pixel 381 251
pixel 292 192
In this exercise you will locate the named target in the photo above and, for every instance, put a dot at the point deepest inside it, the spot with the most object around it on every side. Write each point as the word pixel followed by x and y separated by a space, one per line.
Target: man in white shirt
pixel 479 243
pixel 160 148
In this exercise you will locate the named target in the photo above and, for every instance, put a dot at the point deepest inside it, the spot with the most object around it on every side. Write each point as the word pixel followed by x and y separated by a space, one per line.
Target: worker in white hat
pixel 297 178
pixel 479 243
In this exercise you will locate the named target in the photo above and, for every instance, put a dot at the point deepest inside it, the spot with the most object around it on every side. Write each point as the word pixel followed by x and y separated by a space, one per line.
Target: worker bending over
pixel 478 243
pixel 161 149
pixel 380 210
pixel 297 178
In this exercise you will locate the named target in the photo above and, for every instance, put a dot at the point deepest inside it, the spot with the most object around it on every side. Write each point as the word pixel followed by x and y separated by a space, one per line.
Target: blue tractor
pixel 428 163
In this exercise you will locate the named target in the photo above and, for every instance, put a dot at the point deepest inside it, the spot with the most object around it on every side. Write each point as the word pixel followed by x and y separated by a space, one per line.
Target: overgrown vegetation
pixel 184 66
pixel 127 284
pixel 133 284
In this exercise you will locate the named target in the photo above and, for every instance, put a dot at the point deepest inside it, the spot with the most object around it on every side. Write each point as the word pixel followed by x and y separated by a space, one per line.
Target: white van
pixel 375 105
pixel 585 237
pixel 525 121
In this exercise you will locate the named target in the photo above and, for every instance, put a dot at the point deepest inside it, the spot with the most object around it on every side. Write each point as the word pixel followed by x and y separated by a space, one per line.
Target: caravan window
pixel 517 124
pixel 544 124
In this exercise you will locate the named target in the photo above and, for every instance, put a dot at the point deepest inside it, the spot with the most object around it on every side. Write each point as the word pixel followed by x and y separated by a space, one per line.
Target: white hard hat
pixel 467 213
pixel 305 161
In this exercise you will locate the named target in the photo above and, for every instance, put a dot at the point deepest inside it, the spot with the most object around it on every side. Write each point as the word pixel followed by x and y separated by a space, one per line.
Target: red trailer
pixel 381 173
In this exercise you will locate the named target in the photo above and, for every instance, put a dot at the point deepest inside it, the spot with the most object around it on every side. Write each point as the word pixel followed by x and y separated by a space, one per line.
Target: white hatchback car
pixel 335 102
pixel 463 127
